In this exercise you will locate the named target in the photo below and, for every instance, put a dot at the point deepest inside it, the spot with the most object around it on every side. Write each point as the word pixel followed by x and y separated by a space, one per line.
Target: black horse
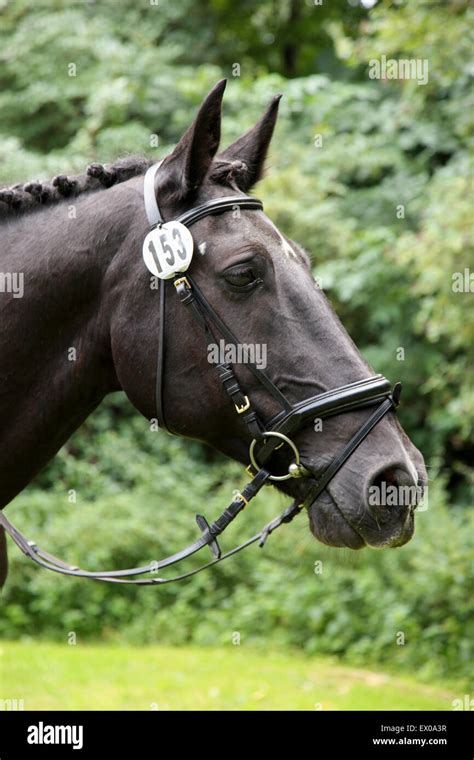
pixel 87 324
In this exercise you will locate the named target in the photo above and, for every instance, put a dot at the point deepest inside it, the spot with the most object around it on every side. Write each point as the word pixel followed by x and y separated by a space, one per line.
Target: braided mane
pixel 21 198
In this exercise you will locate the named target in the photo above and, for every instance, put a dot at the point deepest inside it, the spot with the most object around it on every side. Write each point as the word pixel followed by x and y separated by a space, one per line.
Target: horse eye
pixel 241 278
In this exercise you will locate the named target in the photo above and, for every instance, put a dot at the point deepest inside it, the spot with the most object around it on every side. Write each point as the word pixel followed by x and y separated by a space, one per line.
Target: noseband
pixel 265 436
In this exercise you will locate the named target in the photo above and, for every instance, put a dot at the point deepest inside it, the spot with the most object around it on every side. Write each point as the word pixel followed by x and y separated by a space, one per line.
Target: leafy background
pixel 143 70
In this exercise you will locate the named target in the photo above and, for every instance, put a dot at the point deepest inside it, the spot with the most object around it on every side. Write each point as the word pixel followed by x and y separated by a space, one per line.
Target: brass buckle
pixel 242 498
pixel 244 407
pixel 182 280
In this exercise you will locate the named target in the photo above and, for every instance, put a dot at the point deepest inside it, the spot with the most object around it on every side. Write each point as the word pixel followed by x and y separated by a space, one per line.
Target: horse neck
pixel 55 359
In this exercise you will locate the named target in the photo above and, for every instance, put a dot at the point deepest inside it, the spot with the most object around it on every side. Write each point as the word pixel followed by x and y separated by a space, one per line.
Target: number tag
pixel 168 249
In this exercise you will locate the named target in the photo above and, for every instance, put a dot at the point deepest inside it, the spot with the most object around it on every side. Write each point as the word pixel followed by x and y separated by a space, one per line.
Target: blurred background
pixel 374 178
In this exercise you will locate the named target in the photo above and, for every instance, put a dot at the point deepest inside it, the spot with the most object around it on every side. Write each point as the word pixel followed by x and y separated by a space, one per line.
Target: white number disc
pixel 168 249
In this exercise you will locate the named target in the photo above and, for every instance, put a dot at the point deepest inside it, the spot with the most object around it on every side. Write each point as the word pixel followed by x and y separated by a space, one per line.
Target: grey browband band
pixel 152 209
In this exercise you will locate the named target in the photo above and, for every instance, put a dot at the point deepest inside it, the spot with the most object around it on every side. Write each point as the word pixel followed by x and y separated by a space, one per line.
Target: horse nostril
pixel 388 476
pixel 393 487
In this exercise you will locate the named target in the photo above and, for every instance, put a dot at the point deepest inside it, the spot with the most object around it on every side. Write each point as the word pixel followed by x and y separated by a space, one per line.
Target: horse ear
pixel 252 147
pixel 189 163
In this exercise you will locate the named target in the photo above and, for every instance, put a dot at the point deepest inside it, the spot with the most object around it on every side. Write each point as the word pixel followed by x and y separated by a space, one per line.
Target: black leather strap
pixel 217 205
pixel 261 376
pixel 187 296
pixel 50 562
pixel 347 398
pixel 348 450
pixel 160 365
pixel 336 464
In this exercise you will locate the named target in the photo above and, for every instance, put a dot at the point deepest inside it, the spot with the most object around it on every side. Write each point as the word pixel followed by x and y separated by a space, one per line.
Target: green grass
pixel 100 677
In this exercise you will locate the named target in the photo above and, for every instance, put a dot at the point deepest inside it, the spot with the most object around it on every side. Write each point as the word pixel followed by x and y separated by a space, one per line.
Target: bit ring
pixel 285 439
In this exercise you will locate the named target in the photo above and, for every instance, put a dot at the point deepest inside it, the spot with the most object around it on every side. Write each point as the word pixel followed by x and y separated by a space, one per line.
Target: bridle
pixel 374 391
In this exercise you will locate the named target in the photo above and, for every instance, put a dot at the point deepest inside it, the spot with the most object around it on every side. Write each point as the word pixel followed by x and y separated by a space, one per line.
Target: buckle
pixel 245 405
pixel 242 498
pixel 182 281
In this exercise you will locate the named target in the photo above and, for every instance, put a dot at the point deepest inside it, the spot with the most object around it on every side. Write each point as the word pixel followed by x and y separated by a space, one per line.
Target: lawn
pixel 55 676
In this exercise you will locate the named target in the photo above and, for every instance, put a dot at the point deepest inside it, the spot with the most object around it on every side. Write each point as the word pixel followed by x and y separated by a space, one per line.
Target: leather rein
pixel 374 391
